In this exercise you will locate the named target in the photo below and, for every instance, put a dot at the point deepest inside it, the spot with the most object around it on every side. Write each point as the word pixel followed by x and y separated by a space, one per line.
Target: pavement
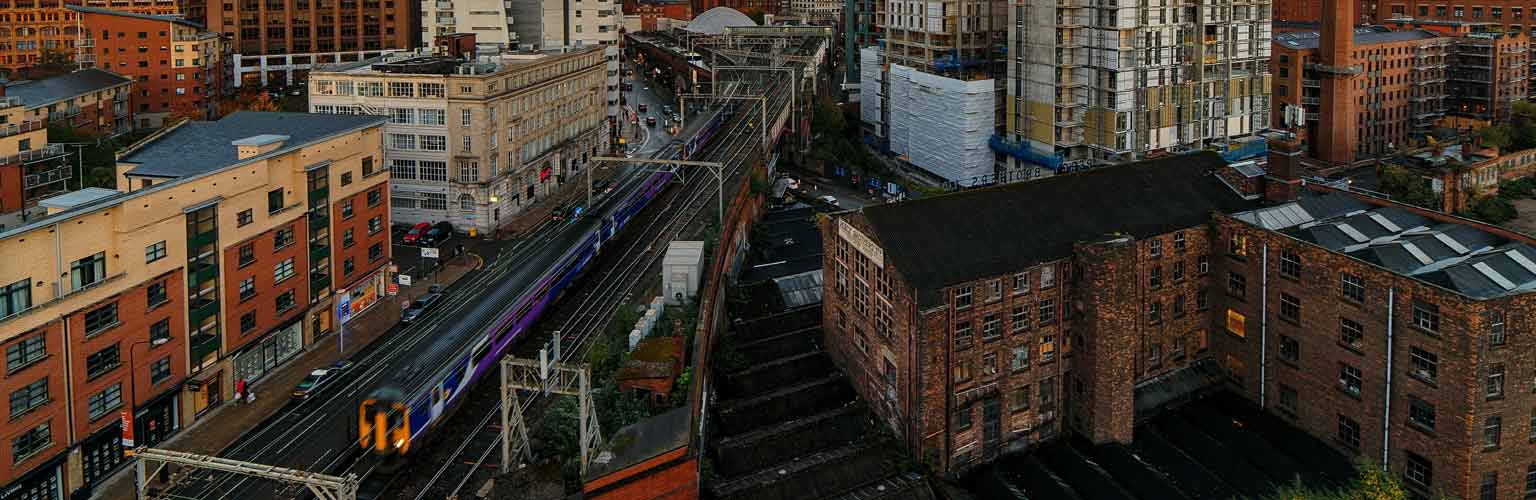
pixel 215 431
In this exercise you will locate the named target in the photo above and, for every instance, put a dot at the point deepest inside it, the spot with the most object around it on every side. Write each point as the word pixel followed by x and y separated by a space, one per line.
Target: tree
pixel 256 100
pixel 1371 483
pixel 1407 186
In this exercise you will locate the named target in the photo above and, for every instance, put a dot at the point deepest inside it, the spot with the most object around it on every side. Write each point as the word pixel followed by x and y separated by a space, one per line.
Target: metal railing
pixel 39 154
pixel 46 177
pixel 11 129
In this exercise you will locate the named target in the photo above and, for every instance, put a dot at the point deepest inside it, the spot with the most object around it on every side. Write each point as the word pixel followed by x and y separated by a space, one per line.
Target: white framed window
pixel 434 171
pixel 434 143
pixel 432 90
pixel 434 201
pixel 468 144
pixel 403 142
pixel 402 116
pixel 433 117
pixel 469 171
pixel 402 89
pixel 466 117
pixel 402 169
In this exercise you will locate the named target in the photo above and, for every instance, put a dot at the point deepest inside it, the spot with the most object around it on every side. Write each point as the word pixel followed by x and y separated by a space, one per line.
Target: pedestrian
pixel 240 390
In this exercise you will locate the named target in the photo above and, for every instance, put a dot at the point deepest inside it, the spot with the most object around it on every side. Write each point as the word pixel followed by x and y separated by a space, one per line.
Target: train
pixel 411 406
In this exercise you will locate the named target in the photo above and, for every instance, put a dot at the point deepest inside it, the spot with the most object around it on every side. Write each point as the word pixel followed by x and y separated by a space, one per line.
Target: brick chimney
pixel 1336 128
pixel 1283 182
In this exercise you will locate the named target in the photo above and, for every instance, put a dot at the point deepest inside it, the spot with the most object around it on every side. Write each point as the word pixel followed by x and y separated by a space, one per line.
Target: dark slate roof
pixel 98 10
pixel 1363 36
pixel 945 240
pixel 38 93
pixel 1453 254
pixel 642 440
pixel 200 147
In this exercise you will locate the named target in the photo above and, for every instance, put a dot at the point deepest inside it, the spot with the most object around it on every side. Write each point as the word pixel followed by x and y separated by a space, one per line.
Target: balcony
pixel 201 310
pixel 1309 82
pixel 63 115
pixel 46 177
pixel 11 129
pixel 35 155
pixel 85 43
pixel 318 196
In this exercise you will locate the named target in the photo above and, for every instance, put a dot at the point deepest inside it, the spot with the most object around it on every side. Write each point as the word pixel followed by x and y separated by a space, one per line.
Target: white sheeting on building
pixel 871 98
pixel 941 124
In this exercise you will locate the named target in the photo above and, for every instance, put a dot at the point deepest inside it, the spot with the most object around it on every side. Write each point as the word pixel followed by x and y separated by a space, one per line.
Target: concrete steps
pixel 742 415
pixel 763 447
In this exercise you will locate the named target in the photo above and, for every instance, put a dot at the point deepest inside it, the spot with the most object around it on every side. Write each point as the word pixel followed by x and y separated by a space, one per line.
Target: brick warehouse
pixel 1296 291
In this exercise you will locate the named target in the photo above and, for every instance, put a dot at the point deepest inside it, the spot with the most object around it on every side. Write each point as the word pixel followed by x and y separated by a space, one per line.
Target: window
pixel 160 332
pixel 963 371
pixel 1047 312
pixel 275 200
pixel 282 238
pixel 1287 400
pixel 1495 328
pixel 1202 301
pixel 247 288
pixel 435 171
pixel 991 327
pixel 1349 432
pixel 244 218
pixel 248 322
pixel 1047 348
pixel 431 90
pixel 989 363
pixel 1154 355
pixel 15 298
pixel 100 319
pixel 1530 481
pixel 1290 265
pixel 1178 306
pixel 88 271
pixel 434 143
pixel 1237 324
pixel 1421 413
pixel 29 443
pixel 1020 398
pixel 1178 272
pixel 1290 308
pixel 1353 287
pixel 1021 283
pixel 401 89
pixel 367 166
pixel 22 354
pixel 1203 265
pixel 1490 484
pixel 402 116
pixel 404 142
pixel 433 116
pixel 105 401
pixel 962 297
pixel 1495 387
pixel 1155 248
pixel 103 361
pixel 1178 241
pixel 963 418
pixel 402 169
pixel 29 398
pixel 1237 285
pixel 1351 334
pixel 1020 318
pixel 1155 278
pixel 467 144
pixel 346 238
pixel 1047 277
pixel 160 370
pixel 346 178
pixel 346 210
pixel 1418 470
pixel 1349 379
pixel 1426 316
pixel 375 197
pixel 1237 246
pixel 348 266
pixel 1290 349
pixel 469 171
pixel 154 252
pixel 962 336
pixel 282 271
pixel 1493 431
pixel 247 254
pixel 375 224
pixel 285 302
pixel 1020 358
pixel 996 289
pixel 466 117
pixel 155 295
pixel 1425 364
pixel 1154 312
pixel 1047 396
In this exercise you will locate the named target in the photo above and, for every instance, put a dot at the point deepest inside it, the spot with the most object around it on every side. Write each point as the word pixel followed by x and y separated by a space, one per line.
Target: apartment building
pixel 179 69
pixel 256 27
pixel 90 101
pixel 860 29
pixel 476 141
pixel 30 168
pixel 817 12
pixel 143 305
pixel 548 25
pixel 29 29
pixel 1087 86
pixel 1395 334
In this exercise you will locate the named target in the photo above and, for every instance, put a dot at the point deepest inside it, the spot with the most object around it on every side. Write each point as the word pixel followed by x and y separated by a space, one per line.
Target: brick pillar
pixel 1283 182
pixel 1106 363
pixel 1336 134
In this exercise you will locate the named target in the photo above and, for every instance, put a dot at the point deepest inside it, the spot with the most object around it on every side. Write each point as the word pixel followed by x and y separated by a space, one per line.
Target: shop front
pixel 46 482
pixel 157 420
pixel 256 360
pixel 102 453
pixel 364 294
pixel 205 391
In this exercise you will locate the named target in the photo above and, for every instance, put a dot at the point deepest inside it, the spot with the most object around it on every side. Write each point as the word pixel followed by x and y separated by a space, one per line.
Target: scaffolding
pixel 323 486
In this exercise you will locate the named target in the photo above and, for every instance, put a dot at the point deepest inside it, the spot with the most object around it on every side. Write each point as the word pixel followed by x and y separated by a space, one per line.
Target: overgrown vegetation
pixel 836 140
pixel 1517 133
pixel 1371 483
pixel 1407 186
pixel 1500 208
pixel 98 160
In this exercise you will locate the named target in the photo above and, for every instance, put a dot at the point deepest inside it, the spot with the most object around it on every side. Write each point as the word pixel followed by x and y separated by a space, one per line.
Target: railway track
pixel 474 458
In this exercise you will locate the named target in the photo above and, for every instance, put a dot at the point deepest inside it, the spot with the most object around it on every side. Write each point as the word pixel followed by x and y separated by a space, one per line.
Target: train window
pixel 437 396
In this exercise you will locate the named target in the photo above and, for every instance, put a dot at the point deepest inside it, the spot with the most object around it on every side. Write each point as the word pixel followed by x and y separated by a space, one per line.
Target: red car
pixel 414 235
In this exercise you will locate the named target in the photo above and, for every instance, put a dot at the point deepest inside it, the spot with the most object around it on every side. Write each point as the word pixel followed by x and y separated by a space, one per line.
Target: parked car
pixel 642 108
pixel 313 382
pixel 439 233
pixel 559 213
pixel 650 121
pixel 419 307
pixel 602 186
pixel 831 200
pixel 414 234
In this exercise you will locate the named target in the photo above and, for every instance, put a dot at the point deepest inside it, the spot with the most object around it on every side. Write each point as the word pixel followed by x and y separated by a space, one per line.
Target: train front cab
pixel 384 423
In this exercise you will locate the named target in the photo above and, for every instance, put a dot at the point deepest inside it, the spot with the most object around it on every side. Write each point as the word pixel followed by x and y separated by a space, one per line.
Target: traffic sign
pixel 428 252
pixel 343 307
pixel 405 279
pixel 392 289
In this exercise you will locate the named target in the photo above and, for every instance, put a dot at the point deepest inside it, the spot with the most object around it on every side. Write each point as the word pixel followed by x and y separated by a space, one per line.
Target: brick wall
pixel 261 270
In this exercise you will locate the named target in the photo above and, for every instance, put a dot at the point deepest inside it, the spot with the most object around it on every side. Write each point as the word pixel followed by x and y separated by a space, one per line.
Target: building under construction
pixel 1092 84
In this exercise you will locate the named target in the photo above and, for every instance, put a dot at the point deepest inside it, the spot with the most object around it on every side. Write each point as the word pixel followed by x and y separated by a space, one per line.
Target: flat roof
pixel 202 147
pixel 39 93
pixel 97 10
pixel 954 238
pixel 1455 255
pixel 76 198
pixel 1363 36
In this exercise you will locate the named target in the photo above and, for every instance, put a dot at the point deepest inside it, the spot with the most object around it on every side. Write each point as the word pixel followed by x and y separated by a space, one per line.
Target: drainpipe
pixel 1386 412
pixel 1263 325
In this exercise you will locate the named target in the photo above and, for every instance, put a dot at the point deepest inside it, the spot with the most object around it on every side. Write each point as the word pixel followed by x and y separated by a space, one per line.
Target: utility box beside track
pixel 680 271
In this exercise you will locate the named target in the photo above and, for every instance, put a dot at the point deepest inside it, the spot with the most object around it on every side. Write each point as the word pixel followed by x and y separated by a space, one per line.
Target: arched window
pixel 466 202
